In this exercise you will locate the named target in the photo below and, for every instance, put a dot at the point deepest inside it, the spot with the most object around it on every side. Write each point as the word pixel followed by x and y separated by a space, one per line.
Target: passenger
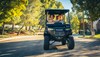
pixel 60 19
pixel 57 18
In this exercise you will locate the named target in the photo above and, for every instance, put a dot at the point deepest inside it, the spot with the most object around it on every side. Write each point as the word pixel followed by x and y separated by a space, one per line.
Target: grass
pixel 15 34
pixel 97 36
pixel 4 36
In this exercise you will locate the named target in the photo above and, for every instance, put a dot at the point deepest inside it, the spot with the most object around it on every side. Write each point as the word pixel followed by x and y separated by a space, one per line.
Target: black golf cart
pixel 57 30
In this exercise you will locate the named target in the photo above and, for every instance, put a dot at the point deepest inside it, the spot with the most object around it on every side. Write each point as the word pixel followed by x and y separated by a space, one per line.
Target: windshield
pixel 51 19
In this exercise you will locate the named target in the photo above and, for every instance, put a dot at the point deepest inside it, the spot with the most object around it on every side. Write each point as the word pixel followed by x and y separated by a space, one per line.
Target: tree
pixel 75 23
pixel 25 12
pixel 49 4
pixel 31 15
pixel 10 9
pixel 14 21
pixel 92 7
pixel 33 12
pixel 59 5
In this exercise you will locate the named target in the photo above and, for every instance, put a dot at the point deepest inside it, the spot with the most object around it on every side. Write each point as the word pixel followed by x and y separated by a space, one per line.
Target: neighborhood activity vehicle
pixel 58 28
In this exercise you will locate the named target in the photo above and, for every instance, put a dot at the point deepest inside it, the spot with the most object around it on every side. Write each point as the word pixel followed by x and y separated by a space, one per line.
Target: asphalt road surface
pixel 32 46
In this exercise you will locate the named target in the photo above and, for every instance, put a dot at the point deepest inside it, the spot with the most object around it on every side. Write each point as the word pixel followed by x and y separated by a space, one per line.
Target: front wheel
pixel 71 43
pixel 63 41
pixel 46 43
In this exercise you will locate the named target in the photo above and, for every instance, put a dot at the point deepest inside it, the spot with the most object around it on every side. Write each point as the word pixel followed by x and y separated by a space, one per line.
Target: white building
pixel 95 24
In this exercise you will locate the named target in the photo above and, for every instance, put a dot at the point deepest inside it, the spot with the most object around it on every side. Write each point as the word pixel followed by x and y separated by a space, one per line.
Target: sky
pixel 66 3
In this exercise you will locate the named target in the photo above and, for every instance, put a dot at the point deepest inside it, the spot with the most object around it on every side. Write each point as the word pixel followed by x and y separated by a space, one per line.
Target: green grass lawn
pixel 97 36
pixel 4 36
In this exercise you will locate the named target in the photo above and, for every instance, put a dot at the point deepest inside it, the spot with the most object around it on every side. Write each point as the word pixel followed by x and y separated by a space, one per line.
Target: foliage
pixel 10 11
pixel 25 12
pixel 91 7
pixel 11 8
pixel 49 4
pixel 75 23
pixel 32 13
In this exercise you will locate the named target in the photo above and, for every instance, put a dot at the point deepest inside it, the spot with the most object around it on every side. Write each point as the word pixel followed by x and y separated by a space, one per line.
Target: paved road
pixel 32 46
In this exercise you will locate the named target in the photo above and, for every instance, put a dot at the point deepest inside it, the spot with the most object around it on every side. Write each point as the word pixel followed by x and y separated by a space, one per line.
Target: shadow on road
pixel 20 49
pixel 35 48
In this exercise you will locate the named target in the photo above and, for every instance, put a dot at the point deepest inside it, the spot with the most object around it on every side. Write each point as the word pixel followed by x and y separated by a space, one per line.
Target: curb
pixel 15 37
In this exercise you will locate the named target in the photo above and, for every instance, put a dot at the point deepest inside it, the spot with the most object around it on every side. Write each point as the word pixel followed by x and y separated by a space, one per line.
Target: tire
pixel 71 43
pixel 46 43
pixel 63 41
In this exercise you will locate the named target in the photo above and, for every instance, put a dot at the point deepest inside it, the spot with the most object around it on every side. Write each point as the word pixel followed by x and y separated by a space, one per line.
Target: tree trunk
pixel 79 27
pixel 20 30
pixel 26 28
pixel 29 28
pixel 83 29
pixel 13 25
pixel 3 27
pixel 83 26
pixel 92 30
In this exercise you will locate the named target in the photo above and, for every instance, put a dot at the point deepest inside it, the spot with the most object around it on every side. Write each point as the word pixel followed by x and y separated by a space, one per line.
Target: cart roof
pixel 56 11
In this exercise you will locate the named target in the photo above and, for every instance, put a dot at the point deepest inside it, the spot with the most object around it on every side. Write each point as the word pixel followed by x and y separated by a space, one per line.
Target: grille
pixel 59 33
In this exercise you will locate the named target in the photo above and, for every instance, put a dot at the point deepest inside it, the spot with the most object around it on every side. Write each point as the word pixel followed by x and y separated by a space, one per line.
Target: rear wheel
pixel 46 43
pixel 71 43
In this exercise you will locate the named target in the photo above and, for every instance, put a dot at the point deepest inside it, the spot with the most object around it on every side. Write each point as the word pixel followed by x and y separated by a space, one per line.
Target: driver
pixel 51 19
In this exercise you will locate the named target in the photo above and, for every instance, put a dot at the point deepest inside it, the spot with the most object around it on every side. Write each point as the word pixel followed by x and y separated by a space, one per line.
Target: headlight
pixel 67 29
pixel 50 28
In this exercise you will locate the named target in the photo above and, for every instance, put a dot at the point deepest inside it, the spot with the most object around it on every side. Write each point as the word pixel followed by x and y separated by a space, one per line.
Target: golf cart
pixel 57 30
